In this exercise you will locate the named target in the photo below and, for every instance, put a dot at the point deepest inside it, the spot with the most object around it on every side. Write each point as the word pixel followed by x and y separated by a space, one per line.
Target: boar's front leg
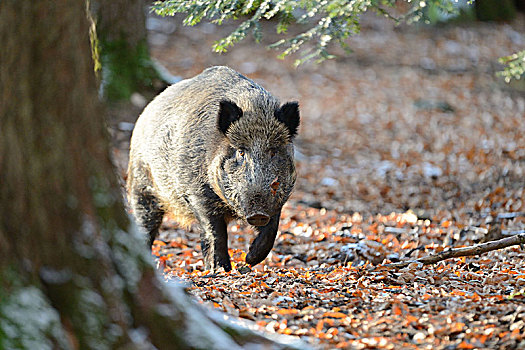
pixel 263 243
pixel 214 243
pixel 214 237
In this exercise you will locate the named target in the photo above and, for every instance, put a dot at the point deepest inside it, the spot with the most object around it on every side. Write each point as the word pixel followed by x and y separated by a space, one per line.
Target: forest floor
pixel 407 146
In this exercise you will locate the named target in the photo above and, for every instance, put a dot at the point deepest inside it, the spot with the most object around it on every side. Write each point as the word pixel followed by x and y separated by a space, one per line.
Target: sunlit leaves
pixel 342 300
pixel 514 66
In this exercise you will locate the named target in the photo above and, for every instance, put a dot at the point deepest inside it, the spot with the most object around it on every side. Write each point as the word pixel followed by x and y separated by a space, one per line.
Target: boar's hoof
pixel 258 220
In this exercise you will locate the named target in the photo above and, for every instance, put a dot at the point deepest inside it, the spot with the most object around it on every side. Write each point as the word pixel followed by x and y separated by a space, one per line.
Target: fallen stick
pixel 477 249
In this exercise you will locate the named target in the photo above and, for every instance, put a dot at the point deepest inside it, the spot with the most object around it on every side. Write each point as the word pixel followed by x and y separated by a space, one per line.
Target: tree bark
pixel 74 272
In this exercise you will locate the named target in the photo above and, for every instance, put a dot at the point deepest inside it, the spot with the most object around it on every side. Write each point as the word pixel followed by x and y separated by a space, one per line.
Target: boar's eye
pixel 240 153
pixel 273 152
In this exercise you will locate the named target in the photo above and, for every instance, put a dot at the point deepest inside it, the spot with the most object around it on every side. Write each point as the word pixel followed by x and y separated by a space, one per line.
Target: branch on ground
pixel 477 249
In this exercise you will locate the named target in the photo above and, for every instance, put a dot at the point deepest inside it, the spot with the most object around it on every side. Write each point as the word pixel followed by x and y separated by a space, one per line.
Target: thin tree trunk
pixel 74 274
pixel 124 53
pixel 495 10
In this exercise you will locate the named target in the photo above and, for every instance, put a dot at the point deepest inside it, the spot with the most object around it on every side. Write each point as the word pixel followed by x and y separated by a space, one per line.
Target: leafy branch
pixel 514 66
pixel 327 21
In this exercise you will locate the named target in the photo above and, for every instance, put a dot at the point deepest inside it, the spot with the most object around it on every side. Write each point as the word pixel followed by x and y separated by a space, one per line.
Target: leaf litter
pixel 408 146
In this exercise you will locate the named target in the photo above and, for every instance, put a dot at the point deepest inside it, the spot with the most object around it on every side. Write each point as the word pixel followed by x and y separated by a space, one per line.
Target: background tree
pixel 495 10
pixel 120 43
pixel 74 274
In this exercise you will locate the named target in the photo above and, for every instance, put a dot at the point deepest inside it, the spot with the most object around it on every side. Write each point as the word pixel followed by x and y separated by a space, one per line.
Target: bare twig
pixel 512 233
pixel 510 215
pixel 477 249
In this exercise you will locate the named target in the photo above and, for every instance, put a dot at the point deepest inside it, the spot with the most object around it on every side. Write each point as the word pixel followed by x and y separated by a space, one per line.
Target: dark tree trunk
pixel 73 272
pixel 495 10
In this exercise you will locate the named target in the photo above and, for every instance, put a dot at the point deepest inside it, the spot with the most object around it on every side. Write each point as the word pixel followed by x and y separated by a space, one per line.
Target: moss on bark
pixel 126 68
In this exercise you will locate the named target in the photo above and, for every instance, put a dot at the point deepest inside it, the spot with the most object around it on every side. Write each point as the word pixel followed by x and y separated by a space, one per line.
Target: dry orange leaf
pixel 334 314
pixel 286 331
pixel 465 345
pixel 342 345
pixel 410 319
pixel 396 310
pixel 320 325
pixel 287 311
pixel 458 292
pixel 516 333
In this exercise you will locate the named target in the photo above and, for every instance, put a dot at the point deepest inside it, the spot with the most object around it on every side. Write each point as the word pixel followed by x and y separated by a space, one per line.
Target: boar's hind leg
pixel 146 209
pixel 142 200
pixel 148 213
pixel 263 243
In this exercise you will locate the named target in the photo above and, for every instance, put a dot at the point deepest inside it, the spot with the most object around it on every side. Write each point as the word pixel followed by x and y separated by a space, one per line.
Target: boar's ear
pixel 289 115
pixel 229 112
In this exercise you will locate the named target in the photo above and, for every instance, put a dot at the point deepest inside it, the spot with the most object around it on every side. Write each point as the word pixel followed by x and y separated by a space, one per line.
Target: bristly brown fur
pixel 268 131
pixel 211 148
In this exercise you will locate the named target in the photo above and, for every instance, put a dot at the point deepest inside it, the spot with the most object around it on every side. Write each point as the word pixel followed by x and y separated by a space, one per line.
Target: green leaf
pixel 514 66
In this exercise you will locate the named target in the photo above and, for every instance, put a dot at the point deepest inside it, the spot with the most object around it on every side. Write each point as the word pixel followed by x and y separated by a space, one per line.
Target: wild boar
pixel 214 148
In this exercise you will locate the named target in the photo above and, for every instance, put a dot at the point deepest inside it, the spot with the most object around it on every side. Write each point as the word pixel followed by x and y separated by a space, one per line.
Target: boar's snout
pixel 258 219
